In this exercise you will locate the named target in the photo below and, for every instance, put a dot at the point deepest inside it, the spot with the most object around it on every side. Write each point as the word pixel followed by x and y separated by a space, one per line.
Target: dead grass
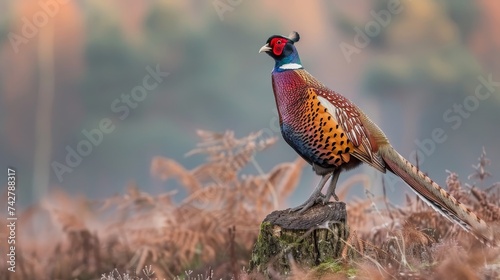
pixel 210 232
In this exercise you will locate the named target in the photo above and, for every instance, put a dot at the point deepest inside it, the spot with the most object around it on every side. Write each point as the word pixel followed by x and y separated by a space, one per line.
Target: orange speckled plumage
pixel 324 127
pixel 327 139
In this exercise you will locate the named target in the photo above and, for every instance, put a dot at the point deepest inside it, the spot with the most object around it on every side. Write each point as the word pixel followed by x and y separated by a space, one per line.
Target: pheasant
pixel 332 134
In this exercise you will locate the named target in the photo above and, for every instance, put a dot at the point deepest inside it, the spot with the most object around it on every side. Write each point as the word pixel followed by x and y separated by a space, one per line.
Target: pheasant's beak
pixel 265 48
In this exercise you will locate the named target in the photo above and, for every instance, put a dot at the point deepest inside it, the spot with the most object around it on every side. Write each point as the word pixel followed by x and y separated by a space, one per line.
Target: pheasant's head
pixel 283 51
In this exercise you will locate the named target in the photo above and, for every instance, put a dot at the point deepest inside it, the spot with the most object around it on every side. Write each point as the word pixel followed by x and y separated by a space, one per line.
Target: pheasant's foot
pixel 331 188
pixel 308 204
pixel 316 196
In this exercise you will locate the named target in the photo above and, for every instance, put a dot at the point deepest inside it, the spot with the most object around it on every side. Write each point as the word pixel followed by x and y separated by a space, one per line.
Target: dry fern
pixel 219 198
pixel 414 242
pixel 137 235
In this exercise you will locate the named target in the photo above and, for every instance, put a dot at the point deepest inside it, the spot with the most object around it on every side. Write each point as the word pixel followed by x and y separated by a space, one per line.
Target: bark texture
pixel 308 239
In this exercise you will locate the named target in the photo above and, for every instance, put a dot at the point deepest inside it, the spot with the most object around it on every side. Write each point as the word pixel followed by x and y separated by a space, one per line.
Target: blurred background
pixel 412 66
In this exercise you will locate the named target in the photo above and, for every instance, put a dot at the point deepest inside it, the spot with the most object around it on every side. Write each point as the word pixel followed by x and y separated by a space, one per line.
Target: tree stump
pixel 308 239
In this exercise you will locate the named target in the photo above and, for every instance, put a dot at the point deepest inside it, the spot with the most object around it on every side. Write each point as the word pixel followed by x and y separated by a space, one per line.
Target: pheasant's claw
pixel 327 199
pixel 315 197
pixel 335 197
pixel 303 207
pixel 308 203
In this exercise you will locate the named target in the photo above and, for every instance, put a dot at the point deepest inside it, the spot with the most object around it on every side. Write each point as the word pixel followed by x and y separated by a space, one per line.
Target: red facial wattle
pixel 278 44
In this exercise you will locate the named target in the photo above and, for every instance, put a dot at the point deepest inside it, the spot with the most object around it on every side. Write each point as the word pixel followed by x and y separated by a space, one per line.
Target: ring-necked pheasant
pixel 332 134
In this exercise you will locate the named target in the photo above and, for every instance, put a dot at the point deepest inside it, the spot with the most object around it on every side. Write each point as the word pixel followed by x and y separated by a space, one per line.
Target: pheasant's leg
pixel 331 188
pixel 314 196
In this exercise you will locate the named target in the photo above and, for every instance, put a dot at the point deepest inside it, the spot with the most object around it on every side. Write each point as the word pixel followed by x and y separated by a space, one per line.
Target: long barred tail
pixel 436 196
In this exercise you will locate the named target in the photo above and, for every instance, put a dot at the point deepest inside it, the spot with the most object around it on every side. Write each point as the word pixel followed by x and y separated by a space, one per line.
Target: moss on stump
pixel 308 239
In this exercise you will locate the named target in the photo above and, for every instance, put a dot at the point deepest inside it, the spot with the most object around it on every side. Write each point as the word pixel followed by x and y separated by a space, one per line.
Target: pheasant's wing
pixel 348 116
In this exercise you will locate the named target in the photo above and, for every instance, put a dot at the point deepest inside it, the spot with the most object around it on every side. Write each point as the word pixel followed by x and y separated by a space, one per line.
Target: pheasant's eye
pixel 279 42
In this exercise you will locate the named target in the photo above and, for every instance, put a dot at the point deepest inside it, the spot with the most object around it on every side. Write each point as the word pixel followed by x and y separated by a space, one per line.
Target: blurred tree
pixel 211 86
